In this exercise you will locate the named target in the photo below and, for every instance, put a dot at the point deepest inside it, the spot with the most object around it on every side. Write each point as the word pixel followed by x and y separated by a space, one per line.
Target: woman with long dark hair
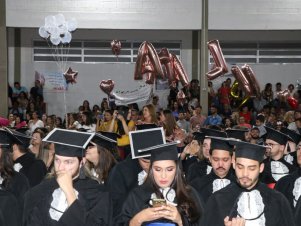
pixel 10 180
pixel 164 197
pixel 100 160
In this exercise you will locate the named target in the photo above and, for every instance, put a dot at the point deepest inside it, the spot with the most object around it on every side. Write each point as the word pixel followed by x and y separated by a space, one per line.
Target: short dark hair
pixel 260 118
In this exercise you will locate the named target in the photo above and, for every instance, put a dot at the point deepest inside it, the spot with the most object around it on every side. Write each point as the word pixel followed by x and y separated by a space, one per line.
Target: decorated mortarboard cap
pixel 276 136
pixel 146 126
pixel 213 132
pixel 292 134
pixel 199 136
pixel 69 143
pixel 237 133
pixel 20 138
pixel 104 141
pixel 141 139
pixel 160 152
pixel 218 143
pixel 249 151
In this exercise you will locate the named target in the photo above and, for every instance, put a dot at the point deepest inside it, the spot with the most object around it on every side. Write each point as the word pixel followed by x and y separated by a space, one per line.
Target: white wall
pixel 158 14
pixel 108 14
pixel 90 74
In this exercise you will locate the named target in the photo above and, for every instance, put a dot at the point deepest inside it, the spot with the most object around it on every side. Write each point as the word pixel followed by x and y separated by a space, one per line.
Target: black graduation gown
pixel 92 208
pixel 138 199
pixel 204 185
pixel 198 169
pixel 9 209
pixel 298 213
pixel 18 186
pixel 286 185
pixel 187 162
pixel 34 169
pixel 276 211
pixel 266 176
pixel 122 179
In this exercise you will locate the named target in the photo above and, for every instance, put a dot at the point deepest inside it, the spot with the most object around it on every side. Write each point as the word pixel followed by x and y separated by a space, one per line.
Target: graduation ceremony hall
pixel 150 113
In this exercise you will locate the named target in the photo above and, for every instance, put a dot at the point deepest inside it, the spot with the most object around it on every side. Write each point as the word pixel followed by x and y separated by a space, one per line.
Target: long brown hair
pixel 152 111
pixel 6 166
pixel 106 162
pixel 170 122
pixel 186 204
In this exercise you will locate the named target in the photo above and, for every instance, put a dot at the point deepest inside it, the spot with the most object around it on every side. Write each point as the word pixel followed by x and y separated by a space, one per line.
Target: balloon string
pixel 65 106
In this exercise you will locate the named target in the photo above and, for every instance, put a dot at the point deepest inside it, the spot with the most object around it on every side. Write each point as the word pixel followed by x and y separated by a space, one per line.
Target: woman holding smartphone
pixel 164 198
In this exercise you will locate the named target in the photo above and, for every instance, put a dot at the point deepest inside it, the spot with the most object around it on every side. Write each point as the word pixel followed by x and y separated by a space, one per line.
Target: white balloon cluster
pixel 57 29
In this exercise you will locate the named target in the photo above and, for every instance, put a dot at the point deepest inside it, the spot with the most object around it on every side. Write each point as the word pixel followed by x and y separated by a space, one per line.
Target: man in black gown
pixel 203 167
pixel 275 165
pixel 291 157
pixel 69 198
pixel 221 174
pixel 25 162
pixel 290 185
pixel 248 198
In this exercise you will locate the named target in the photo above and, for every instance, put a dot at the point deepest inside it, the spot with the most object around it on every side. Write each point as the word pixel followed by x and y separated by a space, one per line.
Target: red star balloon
pixel 70 76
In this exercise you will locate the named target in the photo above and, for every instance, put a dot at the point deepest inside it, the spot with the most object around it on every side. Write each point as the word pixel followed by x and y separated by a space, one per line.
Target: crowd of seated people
pixel 182 120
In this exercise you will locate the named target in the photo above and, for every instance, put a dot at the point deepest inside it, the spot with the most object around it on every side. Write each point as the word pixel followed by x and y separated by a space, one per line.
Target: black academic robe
pixel 224 203
pixel 298 213
pixel 18 185
pixel 266 176
pixel 9 209
pixel 122 179
pixel 92 208
pixel 34 169
pixel 198 170
pixel 286 185
pixel 187 162
pixel 138 199
pixel 204 185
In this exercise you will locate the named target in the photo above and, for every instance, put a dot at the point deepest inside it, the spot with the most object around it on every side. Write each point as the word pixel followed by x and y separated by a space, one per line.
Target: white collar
pixel 59 204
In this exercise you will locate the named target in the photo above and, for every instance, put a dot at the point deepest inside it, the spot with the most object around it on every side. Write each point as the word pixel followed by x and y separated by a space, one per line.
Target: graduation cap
pixel 146 126
pixel 7 138
pixel 141 139
pixel 249 151
pixel 237 133
pixel 221 144
pixel 199 136
pixel 167 151
pixel 292 134
pixel 276 136
pixel 69 143
pixel 104 141
pixel 19 138
pixel 213 132
pixel 111 135
pixel 22 129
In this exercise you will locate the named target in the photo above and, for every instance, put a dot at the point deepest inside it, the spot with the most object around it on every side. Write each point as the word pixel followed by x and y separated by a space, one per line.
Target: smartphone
pixel 100 116
pixel 158 202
